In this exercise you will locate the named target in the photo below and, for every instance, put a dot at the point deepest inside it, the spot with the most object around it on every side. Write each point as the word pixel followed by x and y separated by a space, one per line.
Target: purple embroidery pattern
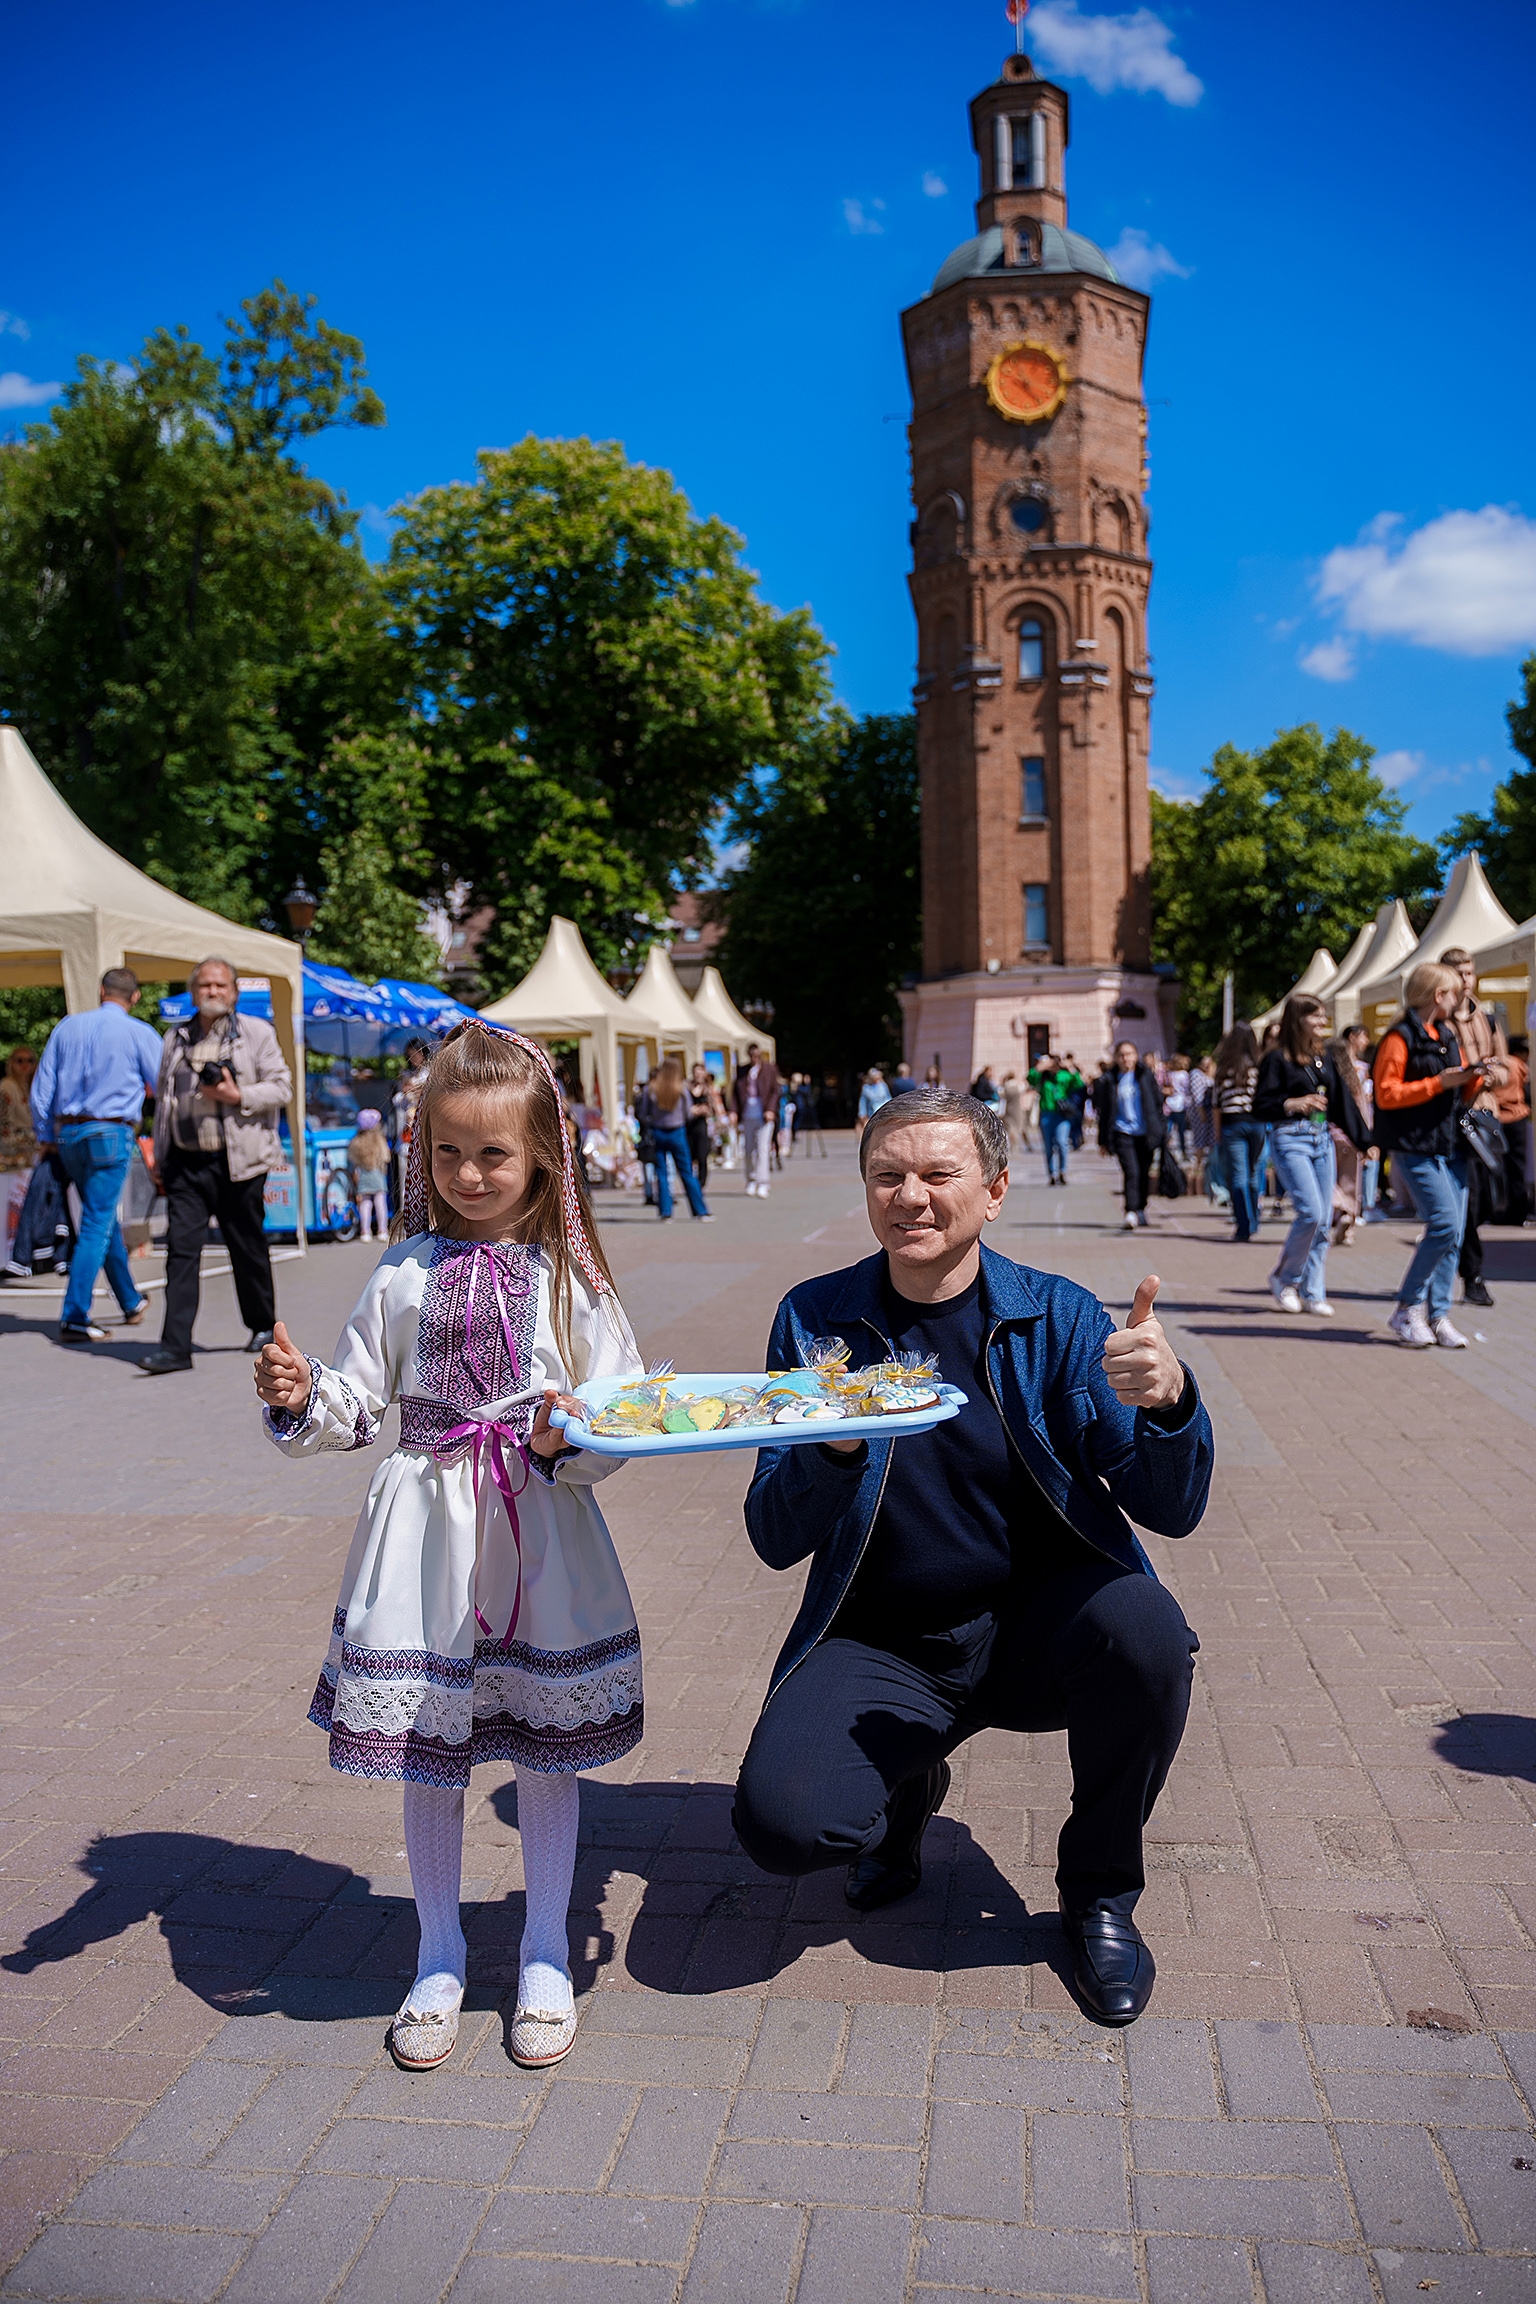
pixel 474 1341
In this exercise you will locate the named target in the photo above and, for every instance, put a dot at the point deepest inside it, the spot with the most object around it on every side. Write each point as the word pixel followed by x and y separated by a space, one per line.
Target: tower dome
pixel 1039 247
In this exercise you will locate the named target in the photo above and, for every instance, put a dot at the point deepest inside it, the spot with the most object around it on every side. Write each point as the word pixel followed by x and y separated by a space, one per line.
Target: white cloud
pixel 1132 51
pixel 1399 767
pixel 934 184
pixel 1140 261
pixel 858 218
pixel 1173 785
pixel 17 391
pixel 12 324
pixel 1330 660
pixel 1465 583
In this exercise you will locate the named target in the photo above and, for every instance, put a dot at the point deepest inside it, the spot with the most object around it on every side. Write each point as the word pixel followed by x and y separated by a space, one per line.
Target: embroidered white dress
pixel 483 1616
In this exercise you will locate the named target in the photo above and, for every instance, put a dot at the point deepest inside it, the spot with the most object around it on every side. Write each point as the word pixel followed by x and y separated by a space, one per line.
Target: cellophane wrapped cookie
pixel 899 1386
pixel 637 1407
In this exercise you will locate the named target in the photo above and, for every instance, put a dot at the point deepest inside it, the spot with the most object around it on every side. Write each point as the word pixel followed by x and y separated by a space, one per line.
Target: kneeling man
pixel 984 1574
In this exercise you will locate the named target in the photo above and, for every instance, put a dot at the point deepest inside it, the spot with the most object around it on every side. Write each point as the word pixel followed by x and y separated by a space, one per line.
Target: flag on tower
pixel 1016 11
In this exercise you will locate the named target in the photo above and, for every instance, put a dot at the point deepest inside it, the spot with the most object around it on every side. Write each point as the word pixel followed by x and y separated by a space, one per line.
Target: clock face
pixel 1026 383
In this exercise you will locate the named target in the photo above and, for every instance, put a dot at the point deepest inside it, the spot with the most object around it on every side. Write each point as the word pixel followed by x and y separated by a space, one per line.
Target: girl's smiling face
pixel 480 1163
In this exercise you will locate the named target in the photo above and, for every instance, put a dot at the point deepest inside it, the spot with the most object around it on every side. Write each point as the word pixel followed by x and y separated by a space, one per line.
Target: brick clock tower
pixel 1029 580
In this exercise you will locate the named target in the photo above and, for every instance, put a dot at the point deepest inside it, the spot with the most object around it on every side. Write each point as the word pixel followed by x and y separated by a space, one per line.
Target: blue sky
pixel 692 227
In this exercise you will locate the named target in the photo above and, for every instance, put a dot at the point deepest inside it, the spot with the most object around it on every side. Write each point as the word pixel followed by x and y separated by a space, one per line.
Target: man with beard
pixel 223 1083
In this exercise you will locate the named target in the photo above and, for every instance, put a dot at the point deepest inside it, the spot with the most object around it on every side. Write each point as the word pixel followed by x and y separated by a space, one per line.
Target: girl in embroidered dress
pixel 483 1612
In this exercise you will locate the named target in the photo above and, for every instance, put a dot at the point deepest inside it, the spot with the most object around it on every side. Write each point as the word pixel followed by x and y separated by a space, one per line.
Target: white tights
pixel 548 1810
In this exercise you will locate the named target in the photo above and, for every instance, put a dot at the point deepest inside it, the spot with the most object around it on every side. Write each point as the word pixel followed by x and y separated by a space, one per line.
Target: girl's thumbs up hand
pixel 1141 1364
pixel 282 1373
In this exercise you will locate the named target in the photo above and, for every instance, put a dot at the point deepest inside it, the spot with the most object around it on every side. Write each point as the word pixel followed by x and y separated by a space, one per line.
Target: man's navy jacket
pixel 1094 1460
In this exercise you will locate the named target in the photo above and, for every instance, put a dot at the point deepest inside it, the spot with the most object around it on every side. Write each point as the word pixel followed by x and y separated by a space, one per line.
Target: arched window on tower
pixel 1031 649
pixel 1025 250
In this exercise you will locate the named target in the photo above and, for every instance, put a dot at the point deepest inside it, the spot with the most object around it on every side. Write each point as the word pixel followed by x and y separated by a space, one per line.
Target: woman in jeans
pixel 1239 1135
pixel 1421 1087
pixel 665 1109
pixel 1296 1094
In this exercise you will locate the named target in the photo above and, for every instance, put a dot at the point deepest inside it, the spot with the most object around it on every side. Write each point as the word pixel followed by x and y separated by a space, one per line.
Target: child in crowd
pixel 368 1159
pixel 483 1614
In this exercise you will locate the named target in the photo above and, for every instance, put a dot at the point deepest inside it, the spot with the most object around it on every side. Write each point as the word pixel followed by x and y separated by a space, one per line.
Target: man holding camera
pixel 223 1083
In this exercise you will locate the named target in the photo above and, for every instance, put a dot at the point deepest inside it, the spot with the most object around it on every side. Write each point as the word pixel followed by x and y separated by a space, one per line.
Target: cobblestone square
pixel 205 1931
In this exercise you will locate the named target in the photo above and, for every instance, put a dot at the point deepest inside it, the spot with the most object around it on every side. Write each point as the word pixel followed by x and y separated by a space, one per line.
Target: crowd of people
pixel 1432 1126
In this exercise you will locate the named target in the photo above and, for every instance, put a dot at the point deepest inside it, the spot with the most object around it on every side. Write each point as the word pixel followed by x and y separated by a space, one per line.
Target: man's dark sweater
pixel 961 1525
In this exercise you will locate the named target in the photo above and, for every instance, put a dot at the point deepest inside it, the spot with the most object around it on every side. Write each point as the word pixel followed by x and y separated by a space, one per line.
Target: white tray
pixel 600 1390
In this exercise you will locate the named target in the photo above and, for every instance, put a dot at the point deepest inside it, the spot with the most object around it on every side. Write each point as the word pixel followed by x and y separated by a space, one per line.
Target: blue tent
pixel 343 1017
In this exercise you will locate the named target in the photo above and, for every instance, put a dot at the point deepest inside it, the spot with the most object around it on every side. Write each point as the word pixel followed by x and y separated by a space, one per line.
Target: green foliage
pixel 186 622
pixel 1506 837
pixel 29 1012
pixel 1286 849
pixel 374 874
pixel 822 915
pixel 597 674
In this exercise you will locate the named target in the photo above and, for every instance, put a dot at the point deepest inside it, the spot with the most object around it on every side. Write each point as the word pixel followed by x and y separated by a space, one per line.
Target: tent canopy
pixel 1386 939
pixel 1317 975
pixel 71 908
pixel 658 994
pixel 723 1022
pixel 1468 913
pixel 563 997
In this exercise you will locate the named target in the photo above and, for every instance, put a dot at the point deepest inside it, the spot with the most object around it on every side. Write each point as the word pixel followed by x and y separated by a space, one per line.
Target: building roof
pixel 1060 251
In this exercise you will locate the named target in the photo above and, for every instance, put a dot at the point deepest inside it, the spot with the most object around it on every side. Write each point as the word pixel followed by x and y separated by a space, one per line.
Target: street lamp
pixel 301 908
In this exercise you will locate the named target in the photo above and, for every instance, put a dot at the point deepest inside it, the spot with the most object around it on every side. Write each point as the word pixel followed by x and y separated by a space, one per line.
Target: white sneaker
pixel 1318 1306
pixel 1410 1326
pixel 1285 1295
pixel 1445 1334
pixel 751 1191
pixel 1128 1221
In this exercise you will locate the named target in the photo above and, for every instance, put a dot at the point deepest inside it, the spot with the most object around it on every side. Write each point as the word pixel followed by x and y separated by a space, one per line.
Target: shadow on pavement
pixel 254 1929
pixel 1490 1744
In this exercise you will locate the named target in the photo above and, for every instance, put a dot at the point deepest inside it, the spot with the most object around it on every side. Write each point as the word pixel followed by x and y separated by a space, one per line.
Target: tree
pixel 1286 849
pixel 822 914
pixel 375 873
pixel 595 675
pixel 1506 837
pixel 186 622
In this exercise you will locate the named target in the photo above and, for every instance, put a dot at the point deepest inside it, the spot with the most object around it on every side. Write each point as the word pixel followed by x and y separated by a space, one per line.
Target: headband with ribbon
pixel 416 1206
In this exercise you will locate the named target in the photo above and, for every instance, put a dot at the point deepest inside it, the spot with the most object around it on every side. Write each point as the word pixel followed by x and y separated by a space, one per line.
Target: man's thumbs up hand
pixel 282 1373
pixel 1139 1361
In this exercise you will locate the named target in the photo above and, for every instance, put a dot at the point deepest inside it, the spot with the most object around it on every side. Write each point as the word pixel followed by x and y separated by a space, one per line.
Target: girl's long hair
pixel 369 1148
pixel 475 1061
pixel 1298 1011
pixel 1237 1053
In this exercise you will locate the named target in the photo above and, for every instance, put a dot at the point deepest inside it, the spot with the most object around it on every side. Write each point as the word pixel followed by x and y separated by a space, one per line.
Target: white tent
pixel 724 1025
pixel 71 908
pixel 658 995
pixel 1317 975
pixel 563 997
pixel 1468 914
pixel 1380 945
pixel 1506 973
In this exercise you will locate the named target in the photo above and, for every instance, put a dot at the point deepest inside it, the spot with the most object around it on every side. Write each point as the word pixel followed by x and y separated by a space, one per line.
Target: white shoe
pixel 542 2036
pixel 1451 1338
pixel 1287 1297
pixel 1318 1306
pixel 1128 1221
pixel 421 2038
pixel 1410 1326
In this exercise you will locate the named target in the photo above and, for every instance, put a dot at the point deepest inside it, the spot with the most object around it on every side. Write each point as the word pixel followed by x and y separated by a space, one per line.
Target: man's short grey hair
pixel 922 1104
pixel 213 961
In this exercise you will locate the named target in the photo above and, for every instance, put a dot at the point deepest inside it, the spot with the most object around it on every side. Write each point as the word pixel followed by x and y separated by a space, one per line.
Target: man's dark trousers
pixel 1100 1651
pixel 198 1188
pixel 1134 1154
pixel 1469 1262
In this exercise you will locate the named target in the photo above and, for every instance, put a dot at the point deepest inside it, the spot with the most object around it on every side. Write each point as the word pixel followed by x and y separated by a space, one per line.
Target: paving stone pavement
pixel 204 1931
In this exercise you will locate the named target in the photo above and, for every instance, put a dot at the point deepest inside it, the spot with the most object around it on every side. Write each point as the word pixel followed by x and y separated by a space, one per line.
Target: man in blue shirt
pixel 984 1574
pixel 87 1098
pixel 1129 1104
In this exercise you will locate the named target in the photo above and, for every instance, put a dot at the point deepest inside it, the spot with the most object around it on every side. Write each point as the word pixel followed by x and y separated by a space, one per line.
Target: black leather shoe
pixel 258 1339
pixel 1111 1965
pixel 895 1868
pixel 1476 1292
pixel 165 1363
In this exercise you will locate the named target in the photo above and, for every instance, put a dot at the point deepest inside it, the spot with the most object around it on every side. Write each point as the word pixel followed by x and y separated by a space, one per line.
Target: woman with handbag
pixel 1423 1090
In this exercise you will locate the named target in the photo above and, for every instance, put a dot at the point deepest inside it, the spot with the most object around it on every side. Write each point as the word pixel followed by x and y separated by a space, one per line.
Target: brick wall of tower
pixel 1085 578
